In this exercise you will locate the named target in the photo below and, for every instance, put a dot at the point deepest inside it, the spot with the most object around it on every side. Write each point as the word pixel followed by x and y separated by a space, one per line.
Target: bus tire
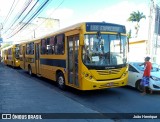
pixel 61 81
pixel 13 65
pixel 29 70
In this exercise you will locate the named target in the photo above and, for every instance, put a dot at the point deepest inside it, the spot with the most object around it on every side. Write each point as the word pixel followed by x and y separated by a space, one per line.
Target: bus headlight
pixel 90 77
pixel 124 74
pixel 86 75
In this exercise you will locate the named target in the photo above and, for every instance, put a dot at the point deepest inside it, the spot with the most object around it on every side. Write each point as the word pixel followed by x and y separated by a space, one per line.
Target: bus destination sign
pixel 105 27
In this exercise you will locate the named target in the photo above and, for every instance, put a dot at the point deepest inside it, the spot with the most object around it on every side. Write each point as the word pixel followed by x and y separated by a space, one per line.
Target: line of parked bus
pixel 85 56
pixel 11 55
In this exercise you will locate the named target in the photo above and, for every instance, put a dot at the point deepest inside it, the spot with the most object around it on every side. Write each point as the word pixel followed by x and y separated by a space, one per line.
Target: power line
pixel 30 18
pixel 23 10
pixel 48 16
pixel 51 13
pixel 10 12
pixel 16 27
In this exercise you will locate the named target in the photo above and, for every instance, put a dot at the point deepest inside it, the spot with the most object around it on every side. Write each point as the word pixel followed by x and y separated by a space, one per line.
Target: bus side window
pixel 27 49
pixel 55 46
pixel 48 46
pixel 43 46
pixel 59 47
pixel 32 48
pixel 49 49
pixel 20 49
pixel 52 45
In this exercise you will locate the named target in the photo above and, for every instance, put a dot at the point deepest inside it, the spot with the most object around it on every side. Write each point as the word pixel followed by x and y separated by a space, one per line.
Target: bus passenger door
pixel 37 58
pixel 73 46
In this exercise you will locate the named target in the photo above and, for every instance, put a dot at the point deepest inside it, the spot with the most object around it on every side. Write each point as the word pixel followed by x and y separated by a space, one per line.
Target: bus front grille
pixel 108 72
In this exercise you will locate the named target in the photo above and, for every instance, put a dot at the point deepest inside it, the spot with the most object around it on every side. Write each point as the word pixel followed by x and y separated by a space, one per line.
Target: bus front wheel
pixel 61 81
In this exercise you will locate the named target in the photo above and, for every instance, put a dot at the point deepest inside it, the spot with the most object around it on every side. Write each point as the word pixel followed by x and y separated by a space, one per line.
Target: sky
pixel 74 11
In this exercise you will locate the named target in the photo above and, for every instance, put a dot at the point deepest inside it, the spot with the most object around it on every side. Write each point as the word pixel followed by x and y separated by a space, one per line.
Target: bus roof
pixel 76 26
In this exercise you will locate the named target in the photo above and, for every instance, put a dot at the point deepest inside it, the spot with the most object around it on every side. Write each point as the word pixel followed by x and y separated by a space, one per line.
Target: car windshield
pixel 155 67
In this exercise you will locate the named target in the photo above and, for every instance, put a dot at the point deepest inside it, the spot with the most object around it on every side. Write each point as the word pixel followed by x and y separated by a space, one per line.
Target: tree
pixel 136 17
pixel 129 34
pixel 5 45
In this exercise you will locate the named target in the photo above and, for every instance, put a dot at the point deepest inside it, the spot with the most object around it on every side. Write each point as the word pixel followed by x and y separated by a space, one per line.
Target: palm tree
pixel 136 17
pixel 129 34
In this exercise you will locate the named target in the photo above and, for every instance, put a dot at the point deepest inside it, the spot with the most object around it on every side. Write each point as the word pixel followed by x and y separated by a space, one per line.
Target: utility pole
pixel 156 27
pixel 1 40
pixel 151 39
pixel 149 29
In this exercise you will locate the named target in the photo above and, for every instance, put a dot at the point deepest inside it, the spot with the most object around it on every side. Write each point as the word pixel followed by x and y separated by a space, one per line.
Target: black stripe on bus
pixel 54 62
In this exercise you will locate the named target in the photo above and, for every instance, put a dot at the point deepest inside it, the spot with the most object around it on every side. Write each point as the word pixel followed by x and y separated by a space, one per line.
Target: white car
pixel 136 74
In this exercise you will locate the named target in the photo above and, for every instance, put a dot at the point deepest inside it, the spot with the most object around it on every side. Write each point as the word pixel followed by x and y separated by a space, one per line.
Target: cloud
pixel 4 8
pixel 63 14
pixel 119 13
pixel 9 13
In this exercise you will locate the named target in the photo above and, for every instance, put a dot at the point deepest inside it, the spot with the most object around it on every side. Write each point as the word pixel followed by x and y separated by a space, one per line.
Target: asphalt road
pixel 21 93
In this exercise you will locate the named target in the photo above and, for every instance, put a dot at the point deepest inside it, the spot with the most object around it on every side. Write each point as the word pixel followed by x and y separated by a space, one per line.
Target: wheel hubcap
pixel 30 72
pixel 60 80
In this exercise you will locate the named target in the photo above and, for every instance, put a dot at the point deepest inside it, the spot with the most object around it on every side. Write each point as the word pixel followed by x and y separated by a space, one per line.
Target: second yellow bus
pixel 10 55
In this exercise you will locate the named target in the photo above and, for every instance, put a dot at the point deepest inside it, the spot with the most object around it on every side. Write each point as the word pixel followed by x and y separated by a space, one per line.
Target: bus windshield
pixel 105 50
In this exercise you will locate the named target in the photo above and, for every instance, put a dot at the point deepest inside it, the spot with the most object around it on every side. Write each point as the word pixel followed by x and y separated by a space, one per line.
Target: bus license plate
pixel 110 84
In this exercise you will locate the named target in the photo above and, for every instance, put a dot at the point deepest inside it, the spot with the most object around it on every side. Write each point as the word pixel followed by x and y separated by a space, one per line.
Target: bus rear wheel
pixel 61 81
pixel 29 70
pixel 13 65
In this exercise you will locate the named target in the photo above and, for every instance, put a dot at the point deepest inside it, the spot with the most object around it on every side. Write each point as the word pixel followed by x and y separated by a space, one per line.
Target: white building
pixel 40 27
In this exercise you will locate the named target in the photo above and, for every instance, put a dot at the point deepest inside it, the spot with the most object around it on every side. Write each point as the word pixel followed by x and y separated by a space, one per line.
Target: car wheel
pixel 61 81
pixel 139 86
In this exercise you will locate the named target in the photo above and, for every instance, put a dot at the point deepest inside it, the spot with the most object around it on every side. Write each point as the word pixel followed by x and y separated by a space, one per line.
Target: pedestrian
pixel 146 75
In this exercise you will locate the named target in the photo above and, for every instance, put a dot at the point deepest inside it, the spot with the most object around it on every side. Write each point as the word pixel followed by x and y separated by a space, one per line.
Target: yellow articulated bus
pixel 85 56
pixel 11 55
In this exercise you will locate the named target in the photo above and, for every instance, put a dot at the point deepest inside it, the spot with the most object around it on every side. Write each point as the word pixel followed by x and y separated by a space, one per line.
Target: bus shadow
pixel 93 93
pixel 17 68
pixel 46 82
pixel 79 93
pixel 72 91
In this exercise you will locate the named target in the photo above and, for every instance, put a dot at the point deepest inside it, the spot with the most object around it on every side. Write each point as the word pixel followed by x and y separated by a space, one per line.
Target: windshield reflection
pixel 105 51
